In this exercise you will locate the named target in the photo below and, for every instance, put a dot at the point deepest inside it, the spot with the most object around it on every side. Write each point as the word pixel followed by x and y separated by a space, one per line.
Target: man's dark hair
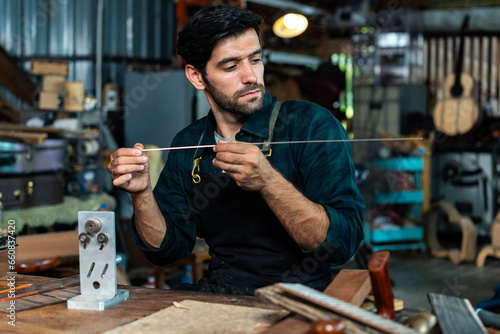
pixel 208 25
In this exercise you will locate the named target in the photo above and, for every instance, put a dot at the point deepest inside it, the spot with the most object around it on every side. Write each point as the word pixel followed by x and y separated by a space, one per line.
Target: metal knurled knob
pixel 84 238
pixel 102 238
pixel 92 226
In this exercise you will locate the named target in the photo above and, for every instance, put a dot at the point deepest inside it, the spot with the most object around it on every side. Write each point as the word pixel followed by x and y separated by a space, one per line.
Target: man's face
pixel 235 74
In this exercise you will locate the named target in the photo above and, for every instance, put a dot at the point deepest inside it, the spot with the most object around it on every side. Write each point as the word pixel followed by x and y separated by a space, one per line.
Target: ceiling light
pixel 290 25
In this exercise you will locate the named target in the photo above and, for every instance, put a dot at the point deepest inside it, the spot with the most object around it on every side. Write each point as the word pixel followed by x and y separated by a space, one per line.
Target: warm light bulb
pixel 291 21
pixel 290 25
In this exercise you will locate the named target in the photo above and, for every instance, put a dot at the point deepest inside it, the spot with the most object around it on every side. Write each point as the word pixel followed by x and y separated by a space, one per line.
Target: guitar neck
pixel 457 89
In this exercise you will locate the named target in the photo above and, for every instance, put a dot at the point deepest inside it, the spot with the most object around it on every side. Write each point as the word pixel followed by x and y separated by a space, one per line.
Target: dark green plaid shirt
pixel 323 172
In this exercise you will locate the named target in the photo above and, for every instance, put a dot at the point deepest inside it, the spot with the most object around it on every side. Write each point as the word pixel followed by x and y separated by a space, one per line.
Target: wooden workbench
pixel 141 302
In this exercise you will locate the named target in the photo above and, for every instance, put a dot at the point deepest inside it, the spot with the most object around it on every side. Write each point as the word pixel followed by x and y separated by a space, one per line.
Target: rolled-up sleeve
pixel 176 208
pixel 327 177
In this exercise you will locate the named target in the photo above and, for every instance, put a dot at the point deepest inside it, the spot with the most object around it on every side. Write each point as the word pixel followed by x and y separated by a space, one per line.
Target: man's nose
pixel 248 75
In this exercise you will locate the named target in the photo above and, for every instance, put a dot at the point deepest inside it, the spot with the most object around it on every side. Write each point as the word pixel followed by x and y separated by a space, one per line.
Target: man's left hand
pixel 245 163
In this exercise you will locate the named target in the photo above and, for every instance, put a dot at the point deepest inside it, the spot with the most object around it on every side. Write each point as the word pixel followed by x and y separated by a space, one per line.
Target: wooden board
pixel 43 246
pixel 365 320
pixel 17 127
pixel 291 325
pixel 45 67
pixel 455 315
pixel 27 137
pixel 8 113
pixel 57 318
pixel 350 285
pixel 41 300
pixel 309 310
pixel 4 256
pixel 15 79
pixel 202 317
pixel 46 129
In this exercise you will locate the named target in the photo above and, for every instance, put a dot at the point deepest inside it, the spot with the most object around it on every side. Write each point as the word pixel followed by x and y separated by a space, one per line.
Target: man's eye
pixel 230 68
pixel 256 60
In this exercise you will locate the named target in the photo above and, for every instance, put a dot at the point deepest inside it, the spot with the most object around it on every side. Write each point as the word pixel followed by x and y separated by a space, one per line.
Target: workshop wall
pixel 66 30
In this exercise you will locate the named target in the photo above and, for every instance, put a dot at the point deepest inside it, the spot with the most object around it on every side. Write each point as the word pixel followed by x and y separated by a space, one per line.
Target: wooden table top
pixel 142 302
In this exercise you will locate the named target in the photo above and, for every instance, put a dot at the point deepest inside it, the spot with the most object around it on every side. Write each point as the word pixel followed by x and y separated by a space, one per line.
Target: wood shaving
pixel 178 305
pixel 260 326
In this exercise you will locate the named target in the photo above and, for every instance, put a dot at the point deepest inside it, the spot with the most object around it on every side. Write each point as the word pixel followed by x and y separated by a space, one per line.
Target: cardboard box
pixel 45 67
pixel 74 94
pixel 110 95
pixel 53 83
pixel 48 100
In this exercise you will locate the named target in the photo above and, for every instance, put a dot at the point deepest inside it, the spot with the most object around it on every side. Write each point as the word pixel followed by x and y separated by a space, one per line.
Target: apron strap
pixel 266 148
pixel 196 163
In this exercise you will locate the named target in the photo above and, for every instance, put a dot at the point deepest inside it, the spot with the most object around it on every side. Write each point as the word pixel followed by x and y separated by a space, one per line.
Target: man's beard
pixel 232 105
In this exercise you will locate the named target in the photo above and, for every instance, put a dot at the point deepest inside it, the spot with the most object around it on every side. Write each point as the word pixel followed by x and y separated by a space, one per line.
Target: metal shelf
pixel 403 237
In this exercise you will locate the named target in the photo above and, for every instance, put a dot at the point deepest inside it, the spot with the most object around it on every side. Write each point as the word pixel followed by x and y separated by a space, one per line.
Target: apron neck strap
pixel 266 148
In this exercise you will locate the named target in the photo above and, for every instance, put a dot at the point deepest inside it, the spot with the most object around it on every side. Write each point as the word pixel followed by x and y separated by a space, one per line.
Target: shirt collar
pixel 257 124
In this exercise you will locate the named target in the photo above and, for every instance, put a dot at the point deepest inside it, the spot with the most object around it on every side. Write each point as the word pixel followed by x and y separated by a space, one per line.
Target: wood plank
pixel 190 316
pixel 4 254
pixel 292 325
pixel 17 127
pixel 30 138
pixel 15 79
pixel 351 286
pixel 49 67
pixel 57 318
pixel 45 129
pixel 46 245
pixel 8 113
pixel 41 300
pixel 310 309
pixel 455 315
pixel 347 312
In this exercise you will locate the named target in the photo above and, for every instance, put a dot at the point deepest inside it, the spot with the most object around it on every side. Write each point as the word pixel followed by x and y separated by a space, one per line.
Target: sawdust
pixel 204 317
pixel 179 305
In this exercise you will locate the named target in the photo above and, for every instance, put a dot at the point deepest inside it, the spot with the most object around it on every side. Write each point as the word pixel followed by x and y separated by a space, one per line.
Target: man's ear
pixel 194 76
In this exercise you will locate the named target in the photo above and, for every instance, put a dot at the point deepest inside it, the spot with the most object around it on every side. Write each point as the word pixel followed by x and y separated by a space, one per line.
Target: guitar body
pixel 466 81
pixel 458 113
pixel 456 116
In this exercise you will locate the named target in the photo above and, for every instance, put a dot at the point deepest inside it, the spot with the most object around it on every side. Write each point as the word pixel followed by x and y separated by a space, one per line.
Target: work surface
pixel 142 302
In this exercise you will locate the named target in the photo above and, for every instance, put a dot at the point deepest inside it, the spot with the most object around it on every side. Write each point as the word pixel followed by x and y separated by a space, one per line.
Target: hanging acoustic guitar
pixel 457 113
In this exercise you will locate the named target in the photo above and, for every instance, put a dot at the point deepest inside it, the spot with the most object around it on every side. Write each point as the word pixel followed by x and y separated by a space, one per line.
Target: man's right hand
pixel 129 169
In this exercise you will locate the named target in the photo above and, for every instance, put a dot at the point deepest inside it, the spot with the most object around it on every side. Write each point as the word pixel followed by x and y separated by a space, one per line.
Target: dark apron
pixel 249 246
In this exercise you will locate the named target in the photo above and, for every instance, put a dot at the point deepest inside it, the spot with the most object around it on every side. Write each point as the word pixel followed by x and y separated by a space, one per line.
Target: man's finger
pixel 139 146
pixel 126 152
pixel 234 146
pixel 230 157
pixel 125 169
pixel 130 160
pixel 227 167
pixel 120 181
